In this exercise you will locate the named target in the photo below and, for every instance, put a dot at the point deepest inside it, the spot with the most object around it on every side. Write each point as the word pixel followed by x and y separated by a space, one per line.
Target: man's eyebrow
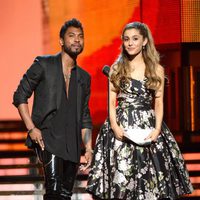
pixel 74 33
pixel 71 33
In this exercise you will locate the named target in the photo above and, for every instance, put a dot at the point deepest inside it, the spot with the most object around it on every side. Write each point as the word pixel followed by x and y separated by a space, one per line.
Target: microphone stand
pixel 108 138
pixel 106 70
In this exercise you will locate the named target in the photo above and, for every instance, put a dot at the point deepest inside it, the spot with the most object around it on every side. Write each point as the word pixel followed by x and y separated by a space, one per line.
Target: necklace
pixel 67 76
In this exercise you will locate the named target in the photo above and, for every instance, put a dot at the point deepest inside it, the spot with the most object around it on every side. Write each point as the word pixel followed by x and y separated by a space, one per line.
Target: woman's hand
pixel 36 136
pixel 153 135
pixel 118 131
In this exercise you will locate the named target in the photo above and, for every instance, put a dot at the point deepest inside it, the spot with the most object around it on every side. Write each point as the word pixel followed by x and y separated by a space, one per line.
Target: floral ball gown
pixel 124 170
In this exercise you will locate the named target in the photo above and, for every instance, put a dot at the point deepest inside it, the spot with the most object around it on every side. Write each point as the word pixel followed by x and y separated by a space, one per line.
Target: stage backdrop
pixel 30 28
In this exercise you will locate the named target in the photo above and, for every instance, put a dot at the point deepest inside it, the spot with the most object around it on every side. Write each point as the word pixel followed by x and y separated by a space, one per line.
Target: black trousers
pixel 59 174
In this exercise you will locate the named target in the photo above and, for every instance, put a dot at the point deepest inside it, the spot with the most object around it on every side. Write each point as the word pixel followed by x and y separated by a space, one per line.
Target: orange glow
pixel 25 34
pixel 9 172
pixel 13 147
pixel 191 156
pixel 16 135
pixel 193 167
pixel 192 99
pixel 190 20
pixel 195 179
pixel 103 20
pixel 195 193
pixel 13 136
pixel 8 161
pixel 21 41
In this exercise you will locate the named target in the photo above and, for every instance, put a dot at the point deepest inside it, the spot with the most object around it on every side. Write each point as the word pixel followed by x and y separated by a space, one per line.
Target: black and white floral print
pixel 124 170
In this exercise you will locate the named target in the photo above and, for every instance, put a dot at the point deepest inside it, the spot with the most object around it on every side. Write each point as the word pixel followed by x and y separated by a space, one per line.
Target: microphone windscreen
pixel 106 70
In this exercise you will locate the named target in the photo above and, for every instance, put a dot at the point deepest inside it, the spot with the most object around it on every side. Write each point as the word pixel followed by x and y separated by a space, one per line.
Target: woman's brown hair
pixel 121 69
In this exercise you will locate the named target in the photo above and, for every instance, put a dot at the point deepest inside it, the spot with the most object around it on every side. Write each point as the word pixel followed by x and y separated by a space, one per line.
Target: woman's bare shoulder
pixel 114 66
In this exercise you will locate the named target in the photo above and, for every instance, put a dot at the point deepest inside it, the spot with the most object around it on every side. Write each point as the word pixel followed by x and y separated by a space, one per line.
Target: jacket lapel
pixel 59 75
pixel 79 92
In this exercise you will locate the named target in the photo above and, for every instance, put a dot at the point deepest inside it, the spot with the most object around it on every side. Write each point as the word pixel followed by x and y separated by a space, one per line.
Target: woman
pixel 137 172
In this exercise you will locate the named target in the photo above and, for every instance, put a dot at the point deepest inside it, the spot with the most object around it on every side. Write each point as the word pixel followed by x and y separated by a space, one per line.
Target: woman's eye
pixel 126 39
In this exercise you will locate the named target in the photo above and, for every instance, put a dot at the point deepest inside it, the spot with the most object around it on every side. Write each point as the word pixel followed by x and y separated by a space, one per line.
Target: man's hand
pixel 87 140
pixel 34 133
pixel 36 136
pixel 88 158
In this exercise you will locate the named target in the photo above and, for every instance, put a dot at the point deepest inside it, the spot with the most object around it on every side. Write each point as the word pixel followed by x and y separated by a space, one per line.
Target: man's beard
pixel 71 53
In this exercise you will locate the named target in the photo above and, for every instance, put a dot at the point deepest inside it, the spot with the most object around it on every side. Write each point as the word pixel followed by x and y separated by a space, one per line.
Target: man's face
pixel 73 41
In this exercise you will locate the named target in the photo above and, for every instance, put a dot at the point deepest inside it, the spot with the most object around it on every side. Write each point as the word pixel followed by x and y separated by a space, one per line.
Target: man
pixel 60 115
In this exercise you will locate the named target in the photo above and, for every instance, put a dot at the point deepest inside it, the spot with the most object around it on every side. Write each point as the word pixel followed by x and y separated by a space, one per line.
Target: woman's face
pixel 133 41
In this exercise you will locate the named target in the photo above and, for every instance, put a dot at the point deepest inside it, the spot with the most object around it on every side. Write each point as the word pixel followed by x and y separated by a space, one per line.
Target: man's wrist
pixel 30 130
pixel 89 150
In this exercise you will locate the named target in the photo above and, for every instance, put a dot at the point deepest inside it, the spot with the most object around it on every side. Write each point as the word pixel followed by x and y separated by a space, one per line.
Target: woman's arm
pixel 118 131
pixel 158 106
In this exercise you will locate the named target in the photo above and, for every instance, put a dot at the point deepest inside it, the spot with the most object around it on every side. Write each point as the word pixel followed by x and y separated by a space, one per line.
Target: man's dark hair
pixel 70 23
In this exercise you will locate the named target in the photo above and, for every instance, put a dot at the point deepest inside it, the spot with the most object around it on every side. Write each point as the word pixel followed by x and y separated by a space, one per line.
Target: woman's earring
pixel 143 47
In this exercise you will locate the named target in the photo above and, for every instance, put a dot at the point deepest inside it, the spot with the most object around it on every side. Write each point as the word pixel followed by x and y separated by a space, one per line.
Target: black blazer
pixel 44 78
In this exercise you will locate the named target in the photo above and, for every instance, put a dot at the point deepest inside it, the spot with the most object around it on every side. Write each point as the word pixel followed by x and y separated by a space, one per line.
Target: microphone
pixel 106 70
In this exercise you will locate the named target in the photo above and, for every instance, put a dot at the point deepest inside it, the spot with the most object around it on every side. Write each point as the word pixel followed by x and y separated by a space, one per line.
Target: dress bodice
pixel 135 93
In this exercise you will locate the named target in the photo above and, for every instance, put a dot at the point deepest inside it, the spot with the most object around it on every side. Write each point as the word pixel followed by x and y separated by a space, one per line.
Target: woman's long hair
pixel 121 68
